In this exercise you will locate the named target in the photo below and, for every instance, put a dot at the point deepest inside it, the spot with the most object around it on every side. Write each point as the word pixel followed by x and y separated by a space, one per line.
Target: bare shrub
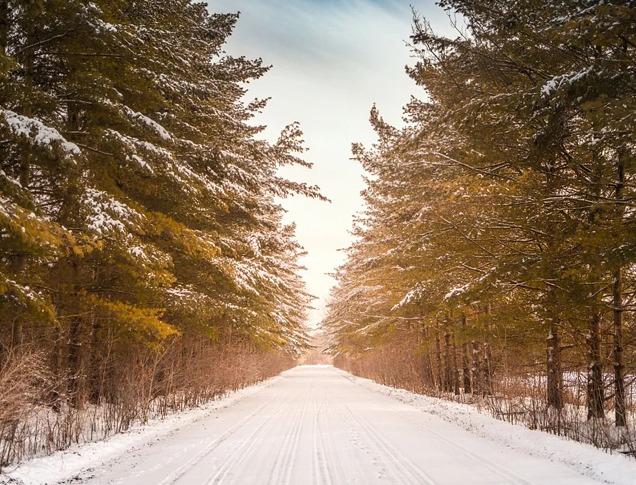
pixel 24 385
pixel 144 385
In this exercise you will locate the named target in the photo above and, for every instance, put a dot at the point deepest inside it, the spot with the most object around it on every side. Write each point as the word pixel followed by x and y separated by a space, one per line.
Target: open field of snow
pixel 320 425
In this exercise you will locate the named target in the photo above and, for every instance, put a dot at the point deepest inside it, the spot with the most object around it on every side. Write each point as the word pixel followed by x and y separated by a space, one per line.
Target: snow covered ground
pixel 320 425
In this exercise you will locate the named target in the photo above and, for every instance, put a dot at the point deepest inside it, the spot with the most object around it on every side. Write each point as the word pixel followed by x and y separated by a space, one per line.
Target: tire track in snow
pixel 241 452
pixel 316 455
pixel 333 472
pixel 284 463
pixel 322 475
pixel 184 468
pixel 406 468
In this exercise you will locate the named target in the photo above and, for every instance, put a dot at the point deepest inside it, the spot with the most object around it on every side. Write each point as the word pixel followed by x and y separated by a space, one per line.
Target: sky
pixel 331 61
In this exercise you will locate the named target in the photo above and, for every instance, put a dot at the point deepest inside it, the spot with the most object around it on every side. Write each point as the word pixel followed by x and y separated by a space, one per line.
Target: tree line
pixel 496 254
pixel 144 264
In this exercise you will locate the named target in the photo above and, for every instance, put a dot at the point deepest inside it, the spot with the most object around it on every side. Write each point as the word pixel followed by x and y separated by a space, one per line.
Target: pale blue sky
pixel 332 59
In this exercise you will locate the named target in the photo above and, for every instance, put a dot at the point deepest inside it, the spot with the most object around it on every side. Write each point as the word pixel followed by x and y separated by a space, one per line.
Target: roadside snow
pixel 586 459
pixel 64 465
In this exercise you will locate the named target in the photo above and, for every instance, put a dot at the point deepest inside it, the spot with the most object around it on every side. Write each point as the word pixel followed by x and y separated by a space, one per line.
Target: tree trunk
pixel 617 303
pixel 487 381
pixel 95 381
pixel 617 351
pixel 56 370
pixel 554 385
pixel 595 391
pixel 17 333
pixel 74 360
pixel 465 364
pixel 475 370
pixel 555 374
pixel 427 360
pixel 438 358
pixel 68 215
pixel 595 370
pixel 448 372
pixel 455 367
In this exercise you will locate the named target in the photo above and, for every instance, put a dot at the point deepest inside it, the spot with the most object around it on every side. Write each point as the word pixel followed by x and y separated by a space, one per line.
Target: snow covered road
pixel 319 425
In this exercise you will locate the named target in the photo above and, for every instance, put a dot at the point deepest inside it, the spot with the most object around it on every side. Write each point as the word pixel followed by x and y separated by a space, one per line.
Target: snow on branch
pixel 148 123
pixel 108 214
pixel 38 133
pixel 413 295
pixel 457 291
pixel 557 82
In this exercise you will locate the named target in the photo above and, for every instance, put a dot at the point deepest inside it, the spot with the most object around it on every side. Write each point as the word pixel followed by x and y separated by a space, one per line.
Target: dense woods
pixel 496 259
pixel 144 265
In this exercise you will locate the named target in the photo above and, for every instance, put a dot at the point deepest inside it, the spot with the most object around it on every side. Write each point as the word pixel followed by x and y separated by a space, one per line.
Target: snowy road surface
pixel 318 425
